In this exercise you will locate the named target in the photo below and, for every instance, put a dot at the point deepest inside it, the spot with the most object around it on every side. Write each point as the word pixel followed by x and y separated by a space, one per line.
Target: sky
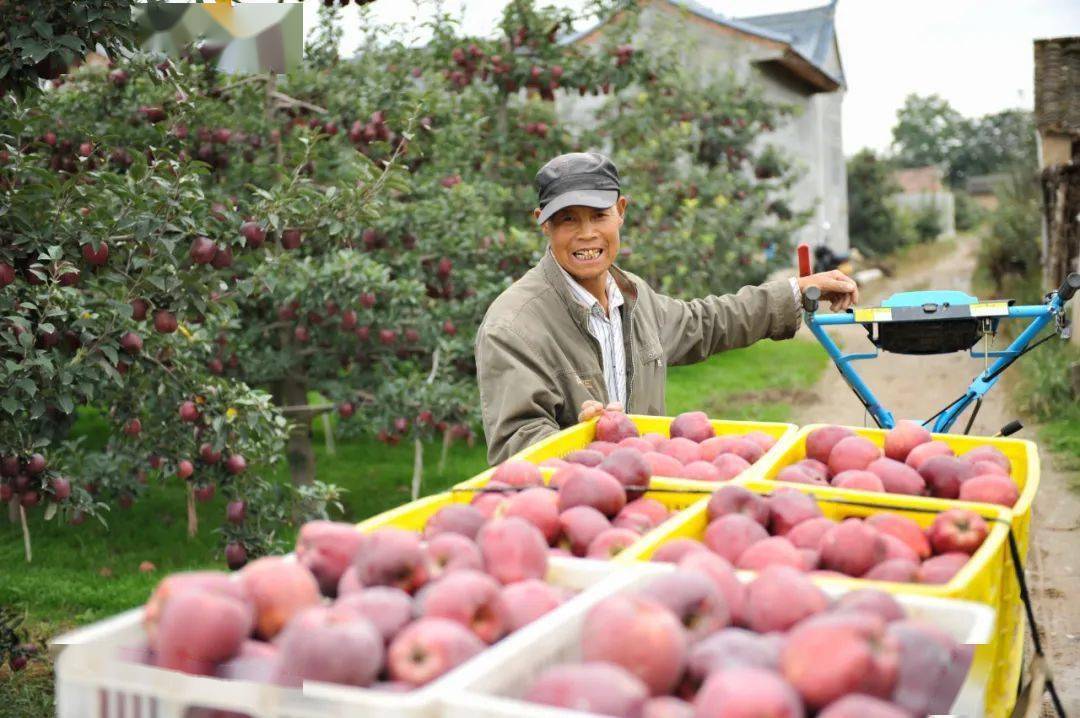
pixel 977 54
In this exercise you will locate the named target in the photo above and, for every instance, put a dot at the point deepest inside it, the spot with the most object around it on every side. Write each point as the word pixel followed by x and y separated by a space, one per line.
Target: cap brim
pixel 599 198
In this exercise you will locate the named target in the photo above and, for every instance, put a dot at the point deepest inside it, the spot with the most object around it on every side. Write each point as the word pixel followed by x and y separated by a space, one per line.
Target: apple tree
pixel 117 271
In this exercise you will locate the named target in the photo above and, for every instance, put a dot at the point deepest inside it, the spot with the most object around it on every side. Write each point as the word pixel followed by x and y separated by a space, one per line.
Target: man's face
pixel 585 240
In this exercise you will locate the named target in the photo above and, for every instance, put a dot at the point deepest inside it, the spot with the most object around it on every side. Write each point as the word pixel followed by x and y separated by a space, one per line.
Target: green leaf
pixel 10 405
pixel 66 404
pixel 72 43
pixel 43 28
pixel 110 352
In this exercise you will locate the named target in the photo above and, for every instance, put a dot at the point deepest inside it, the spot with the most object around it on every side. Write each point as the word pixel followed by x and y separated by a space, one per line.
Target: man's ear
pixel 545 227
pixel 620 207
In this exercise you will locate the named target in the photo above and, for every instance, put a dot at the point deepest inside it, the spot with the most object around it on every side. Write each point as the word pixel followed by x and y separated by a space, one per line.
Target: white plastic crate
pixel 492 685
pixel 92 681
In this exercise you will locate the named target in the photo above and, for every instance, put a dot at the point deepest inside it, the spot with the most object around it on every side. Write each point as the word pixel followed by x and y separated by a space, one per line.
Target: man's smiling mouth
pixel 586 255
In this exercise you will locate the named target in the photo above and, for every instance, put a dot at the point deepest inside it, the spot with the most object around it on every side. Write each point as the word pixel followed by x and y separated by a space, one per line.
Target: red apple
pixel 957 530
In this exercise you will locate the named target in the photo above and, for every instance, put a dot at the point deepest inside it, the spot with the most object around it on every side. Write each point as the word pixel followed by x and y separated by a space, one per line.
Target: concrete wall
pixel 811 138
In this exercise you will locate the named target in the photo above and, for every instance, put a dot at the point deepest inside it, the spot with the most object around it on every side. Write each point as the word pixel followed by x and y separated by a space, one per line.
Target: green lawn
pixel 82 574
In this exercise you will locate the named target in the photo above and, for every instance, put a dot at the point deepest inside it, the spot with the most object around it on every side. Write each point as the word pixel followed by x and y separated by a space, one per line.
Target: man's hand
pixel 836 288
pixel 592 409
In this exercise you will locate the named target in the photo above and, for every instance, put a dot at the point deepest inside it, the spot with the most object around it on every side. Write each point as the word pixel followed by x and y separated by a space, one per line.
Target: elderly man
pixel 576 333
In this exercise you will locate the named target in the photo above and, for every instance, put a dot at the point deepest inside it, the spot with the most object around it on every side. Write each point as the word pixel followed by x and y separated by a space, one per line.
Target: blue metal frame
pixel 1041 315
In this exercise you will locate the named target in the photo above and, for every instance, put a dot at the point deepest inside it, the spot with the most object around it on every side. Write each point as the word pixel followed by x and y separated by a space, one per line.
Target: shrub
pixel 927 223
pixel 874 225
pixel 969 214
pixel 1011 246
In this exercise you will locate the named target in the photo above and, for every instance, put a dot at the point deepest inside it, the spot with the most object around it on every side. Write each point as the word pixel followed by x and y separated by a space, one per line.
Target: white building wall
pixel 811 138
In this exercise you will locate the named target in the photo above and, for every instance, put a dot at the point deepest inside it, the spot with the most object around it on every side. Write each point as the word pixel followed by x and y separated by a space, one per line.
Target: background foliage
pixel 194 255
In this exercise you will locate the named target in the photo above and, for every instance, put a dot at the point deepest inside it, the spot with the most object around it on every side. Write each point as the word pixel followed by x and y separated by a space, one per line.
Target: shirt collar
pixel 583 296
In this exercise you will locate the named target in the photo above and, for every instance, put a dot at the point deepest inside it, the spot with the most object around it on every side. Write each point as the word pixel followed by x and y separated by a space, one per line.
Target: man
pixel 577 333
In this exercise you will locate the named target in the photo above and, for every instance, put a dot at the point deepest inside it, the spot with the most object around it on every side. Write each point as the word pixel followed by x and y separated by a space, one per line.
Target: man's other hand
pixel 592 409
pixel 837 288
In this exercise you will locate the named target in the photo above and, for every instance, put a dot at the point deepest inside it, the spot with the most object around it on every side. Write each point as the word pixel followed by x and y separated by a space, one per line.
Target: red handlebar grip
pixel 803 251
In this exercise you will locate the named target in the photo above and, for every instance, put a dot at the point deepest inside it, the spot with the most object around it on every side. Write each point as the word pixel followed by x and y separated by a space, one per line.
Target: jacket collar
pixel 553 273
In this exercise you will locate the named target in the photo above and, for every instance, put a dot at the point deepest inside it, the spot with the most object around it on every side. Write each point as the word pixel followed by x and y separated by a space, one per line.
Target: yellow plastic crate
pixel 581 435
pixel 1024 457
pixel 982 579
pixel 1023 454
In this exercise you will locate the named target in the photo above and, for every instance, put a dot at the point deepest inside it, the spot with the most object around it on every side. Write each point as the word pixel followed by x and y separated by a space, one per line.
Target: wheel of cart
pixel 943 322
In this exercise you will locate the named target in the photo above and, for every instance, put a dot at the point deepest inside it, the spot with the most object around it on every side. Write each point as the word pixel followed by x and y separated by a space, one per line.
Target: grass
pixel 86 573
pixel 756 383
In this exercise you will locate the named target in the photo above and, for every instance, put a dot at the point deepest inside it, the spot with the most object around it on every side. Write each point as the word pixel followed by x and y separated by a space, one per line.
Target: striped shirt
pixel 608 332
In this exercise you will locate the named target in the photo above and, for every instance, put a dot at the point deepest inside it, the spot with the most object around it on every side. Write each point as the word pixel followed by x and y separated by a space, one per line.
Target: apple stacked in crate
pixel 752 531
pixel 678 648
pixel 391 610
pixel 693 451
pixel 912 462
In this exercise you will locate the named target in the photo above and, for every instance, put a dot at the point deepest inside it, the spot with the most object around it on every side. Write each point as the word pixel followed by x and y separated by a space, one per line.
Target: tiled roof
pixel 809 33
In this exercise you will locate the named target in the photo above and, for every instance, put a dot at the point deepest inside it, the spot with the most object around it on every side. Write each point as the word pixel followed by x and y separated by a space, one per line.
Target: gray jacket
pixel 537 363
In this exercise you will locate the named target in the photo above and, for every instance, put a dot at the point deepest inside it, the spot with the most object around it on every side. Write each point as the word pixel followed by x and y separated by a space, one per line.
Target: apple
pixel 184 469
pixel 236 464
pixel 291 239
pixel 202 250
pixel 35 464
pixel 957 530
pixel 188 411
pixel 208 455
pixel 139 307
pixel 639 634
pixel 164 322
pixel 236 511
pixel 131 343
pixel 96 257
pixel 428 648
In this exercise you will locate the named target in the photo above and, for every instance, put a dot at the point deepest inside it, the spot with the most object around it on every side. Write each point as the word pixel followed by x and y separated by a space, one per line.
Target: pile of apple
pixel 752 532
pixel 913 463
pixel 584 511
pixel 387 610
pixel 693 451
pixel 672 651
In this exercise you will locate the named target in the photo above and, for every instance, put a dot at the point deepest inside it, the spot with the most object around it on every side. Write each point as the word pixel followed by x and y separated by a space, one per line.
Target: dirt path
pixel 917 387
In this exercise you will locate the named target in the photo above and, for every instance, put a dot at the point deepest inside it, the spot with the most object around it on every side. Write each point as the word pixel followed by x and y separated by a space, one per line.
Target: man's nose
pixel 588 229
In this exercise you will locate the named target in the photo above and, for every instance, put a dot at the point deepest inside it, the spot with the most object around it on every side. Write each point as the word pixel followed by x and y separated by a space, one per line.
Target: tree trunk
pixel 192 513
pixel 298 451
pixel 445 451
pixel 26 534
pixel 418 468
pixel 328 433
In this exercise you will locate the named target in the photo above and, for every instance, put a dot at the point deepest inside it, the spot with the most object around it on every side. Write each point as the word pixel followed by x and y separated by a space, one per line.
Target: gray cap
pixel 576 178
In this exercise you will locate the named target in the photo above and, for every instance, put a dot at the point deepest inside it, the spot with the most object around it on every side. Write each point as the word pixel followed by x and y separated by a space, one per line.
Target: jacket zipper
pixel 628 343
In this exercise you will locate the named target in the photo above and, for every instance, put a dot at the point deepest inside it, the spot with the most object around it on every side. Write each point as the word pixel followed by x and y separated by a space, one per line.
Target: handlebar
pixel 1069 286
pixel 1057 300
pixel 1027 311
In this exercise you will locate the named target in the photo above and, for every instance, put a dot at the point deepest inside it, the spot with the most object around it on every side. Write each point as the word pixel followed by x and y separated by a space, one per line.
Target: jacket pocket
pixel 650 376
